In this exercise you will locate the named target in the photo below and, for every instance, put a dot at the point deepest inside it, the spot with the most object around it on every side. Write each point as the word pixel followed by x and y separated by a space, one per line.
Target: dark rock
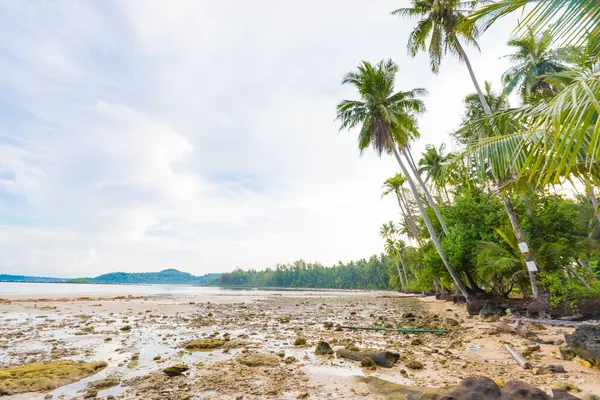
pixel 451 322
pixel 323 348
pixel 562 395
pixel 384 358
pixel 585 343
pixel 517 390
pixel 289 360
pixel 491 309
pixel 557 368
pixel 175 370
pixel 475 388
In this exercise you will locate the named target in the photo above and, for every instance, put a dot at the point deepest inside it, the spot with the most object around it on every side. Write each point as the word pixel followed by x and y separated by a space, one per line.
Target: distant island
pixel 167 276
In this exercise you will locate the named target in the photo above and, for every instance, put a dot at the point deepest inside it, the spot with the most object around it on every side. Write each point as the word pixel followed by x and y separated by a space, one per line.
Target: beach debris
pixel 518 357
pixel 401 330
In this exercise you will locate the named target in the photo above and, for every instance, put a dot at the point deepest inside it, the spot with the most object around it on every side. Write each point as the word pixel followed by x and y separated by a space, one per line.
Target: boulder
pixel 475 388
pixel 517 390
pixel 584 342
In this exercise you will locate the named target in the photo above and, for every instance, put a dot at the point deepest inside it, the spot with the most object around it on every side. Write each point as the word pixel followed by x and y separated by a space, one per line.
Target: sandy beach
pixel 139 336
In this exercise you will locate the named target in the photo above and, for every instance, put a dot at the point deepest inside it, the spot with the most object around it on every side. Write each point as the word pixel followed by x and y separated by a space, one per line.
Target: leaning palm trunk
pixel 403 270
pixel 463 56
pixel 528 256
pixel 428 196
pixel 408 216
pixel 457 281
pixel 512 215
pixel 593 199
pixel 399 274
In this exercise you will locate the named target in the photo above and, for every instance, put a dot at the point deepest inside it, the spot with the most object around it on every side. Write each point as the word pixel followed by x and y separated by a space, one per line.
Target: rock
pixel 413 364
pixel 351 347
pixel 300 341
pixel 204 344
pixel 258 359
pixel 108 382
pixel 384 358
pixel 556 368
pixel 289 360
pixel 475 388
pixel 175 370
pixel 390 390
pixel 323 348
pixel 566 387
pixel 541 371
pixel 303 396
pixel 328 325
pixel 451 322
pixel 491 309
pixel 48 397
pixel 368 362
pixel 517 390
pixel 126 328
pixel 416 342
pixel 281 353
pixel 156 358
pixel 584 342
pixel 90 394
pixel 562 395
pixel 408 315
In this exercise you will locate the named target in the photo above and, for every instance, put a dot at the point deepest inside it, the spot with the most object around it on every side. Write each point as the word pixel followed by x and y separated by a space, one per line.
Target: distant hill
pixel 166 276
pixel 22 278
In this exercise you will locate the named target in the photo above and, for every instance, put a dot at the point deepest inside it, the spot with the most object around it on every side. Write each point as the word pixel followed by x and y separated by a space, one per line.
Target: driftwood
pixel 519 330
pixel 384 358
pixel 518 357
pixel 555 322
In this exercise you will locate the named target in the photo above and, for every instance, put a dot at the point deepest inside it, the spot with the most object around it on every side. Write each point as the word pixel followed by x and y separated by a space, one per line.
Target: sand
pixel 51 328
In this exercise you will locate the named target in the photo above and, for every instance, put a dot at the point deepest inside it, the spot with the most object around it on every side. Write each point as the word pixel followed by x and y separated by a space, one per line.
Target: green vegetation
pixel 363 274
pixel 40 377
pixel 167 276
pixel 513 212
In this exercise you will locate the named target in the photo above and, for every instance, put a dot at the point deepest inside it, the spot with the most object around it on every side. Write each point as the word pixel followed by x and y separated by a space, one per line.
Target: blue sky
pixel 199 135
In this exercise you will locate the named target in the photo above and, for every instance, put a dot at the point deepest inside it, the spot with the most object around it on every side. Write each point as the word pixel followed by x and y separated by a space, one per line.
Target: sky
pixel 201 135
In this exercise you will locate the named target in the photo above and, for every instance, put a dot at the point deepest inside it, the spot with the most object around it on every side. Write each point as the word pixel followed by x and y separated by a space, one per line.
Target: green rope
pixel 397 330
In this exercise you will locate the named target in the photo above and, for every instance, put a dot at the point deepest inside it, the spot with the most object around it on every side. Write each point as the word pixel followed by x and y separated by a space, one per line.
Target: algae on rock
pixel 43 376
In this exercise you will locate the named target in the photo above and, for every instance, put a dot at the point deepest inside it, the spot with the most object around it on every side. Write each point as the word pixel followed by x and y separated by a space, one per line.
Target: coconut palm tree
pixel 386 121
pixel 570 21
pixel 395 185
pixel 440 30
pixel 533 61
pixel 387 232
pixel 433 165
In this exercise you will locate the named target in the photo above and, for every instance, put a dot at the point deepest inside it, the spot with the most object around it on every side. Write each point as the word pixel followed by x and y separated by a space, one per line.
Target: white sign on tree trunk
pixel 523 247
pixel 531 267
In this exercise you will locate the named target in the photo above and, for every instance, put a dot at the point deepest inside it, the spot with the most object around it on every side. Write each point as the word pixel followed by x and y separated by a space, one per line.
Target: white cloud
pixel 198 135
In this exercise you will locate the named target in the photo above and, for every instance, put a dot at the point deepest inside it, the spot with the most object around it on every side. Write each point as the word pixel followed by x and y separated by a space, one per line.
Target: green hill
pixel 166 276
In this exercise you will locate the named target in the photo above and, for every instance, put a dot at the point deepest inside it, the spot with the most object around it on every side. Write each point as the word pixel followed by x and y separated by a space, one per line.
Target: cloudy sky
pixel 199 135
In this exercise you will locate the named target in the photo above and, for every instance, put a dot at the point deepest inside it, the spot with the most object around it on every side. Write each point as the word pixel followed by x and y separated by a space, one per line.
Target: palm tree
pixel 433 165
pixel 534 59
pixel 387 232
pixel 571 20
pixel 441 28
pixel 387 122
pixel 395 185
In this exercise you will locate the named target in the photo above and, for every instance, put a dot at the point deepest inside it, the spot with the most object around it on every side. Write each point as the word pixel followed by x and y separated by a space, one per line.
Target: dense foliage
pixel 370 274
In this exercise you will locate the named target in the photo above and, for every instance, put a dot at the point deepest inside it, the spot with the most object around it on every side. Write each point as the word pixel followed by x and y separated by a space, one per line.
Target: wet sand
pixel 91 329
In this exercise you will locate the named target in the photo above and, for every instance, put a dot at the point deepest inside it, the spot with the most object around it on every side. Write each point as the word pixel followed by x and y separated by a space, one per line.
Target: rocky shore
pixel 282 346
